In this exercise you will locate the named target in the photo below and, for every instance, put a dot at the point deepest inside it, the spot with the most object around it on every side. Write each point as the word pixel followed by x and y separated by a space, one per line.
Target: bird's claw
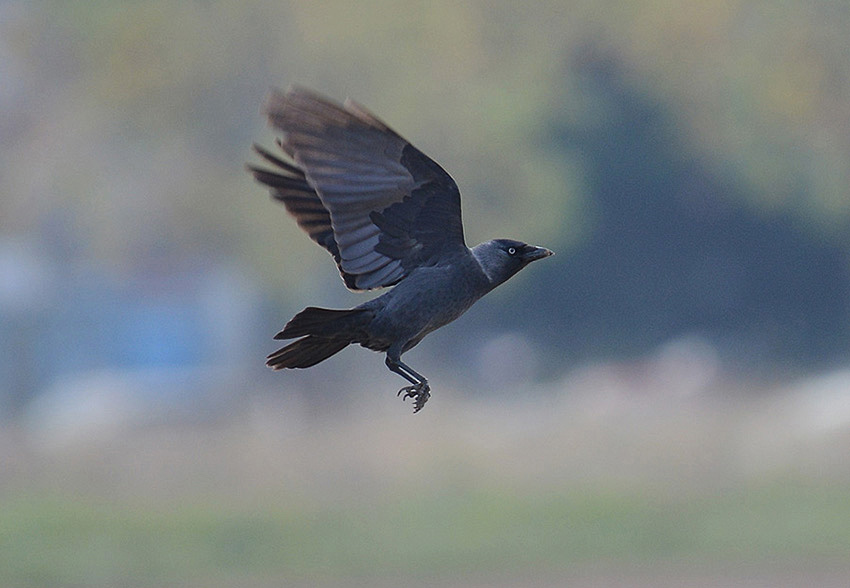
pixel 420 393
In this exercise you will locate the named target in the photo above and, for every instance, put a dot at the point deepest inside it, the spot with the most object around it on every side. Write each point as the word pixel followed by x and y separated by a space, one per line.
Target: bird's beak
pixel 535 253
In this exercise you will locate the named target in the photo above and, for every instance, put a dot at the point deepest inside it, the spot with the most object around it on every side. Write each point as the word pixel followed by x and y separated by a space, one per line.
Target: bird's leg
pixel 420 391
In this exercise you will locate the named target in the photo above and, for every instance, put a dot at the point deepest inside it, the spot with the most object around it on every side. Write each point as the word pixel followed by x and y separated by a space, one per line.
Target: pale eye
pixel 511 250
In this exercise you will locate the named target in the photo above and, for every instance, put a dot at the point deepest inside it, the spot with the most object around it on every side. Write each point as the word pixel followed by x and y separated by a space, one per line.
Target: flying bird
pixel 390 217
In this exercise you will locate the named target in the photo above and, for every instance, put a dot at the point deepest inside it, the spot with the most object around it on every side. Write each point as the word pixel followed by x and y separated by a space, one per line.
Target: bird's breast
pixel 427 299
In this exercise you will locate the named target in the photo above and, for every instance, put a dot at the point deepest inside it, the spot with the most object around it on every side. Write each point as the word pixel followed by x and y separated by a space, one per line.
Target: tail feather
pixel 321 332
pixel 324 322
pixel 305 352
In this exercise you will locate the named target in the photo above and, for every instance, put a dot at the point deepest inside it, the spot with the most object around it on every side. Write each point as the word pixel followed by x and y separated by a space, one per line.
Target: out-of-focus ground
pixel 615 476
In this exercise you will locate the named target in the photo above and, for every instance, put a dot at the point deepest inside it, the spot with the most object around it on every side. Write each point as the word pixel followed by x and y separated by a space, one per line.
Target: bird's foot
pixel 420 393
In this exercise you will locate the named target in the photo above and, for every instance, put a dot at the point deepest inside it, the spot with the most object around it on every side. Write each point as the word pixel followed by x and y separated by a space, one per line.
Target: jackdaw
pixel 390 216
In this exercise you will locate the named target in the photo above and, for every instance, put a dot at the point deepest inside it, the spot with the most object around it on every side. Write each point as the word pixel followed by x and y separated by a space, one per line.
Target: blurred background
pixel 665 402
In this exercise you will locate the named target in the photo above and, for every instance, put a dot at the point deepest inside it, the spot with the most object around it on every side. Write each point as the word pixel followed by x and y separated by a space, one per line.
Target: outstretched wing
pixel 389 207
pixel 289 185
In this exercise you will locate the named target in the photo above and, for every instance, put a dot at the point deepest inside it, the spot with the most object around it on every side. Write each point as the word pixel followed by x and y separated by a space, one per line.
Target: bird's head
pixel 502 258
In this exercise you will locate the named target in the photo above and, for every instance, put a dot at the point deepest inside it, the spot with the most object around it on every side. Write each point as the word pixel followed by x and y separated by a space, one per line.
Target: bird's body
pixel 442 293
pixel 389 216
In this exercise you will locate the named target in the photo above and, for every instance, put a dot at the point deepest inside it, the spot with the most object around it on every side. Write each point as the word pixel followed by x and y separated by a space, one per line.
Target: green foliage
pixel 166 94
pixel 59 541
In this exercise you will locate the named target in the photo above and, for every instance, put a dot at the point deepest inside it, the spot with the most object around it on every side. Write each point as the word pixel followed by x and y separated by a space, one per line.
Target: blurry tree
pixel 675 250
pixel 688 160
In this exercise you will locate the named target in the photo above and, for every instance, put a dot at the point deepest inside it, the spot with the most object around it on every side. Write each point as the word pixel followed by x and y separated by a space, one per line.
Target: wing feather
pixel 379 205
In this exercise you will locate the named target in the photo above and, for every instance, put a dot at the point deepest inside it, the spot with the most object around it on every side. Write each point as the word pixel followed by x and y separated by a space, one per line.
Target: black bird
pixel 390 216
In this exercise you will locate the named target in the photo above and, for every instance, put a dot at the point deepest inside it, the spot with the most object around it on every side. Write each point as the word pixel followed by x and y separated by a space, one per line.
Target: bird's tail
pixel 306 352
pixel 322 333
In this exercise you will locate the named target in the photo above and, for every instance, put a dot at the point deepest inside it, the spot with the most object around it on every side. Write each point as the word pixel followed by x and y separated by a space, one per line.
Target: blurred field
pixel 605 479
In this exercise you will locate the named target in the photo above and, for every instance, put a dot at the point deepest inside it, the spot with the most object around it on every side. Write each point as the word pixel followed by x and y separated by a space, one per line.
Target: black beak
pixel 535 253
